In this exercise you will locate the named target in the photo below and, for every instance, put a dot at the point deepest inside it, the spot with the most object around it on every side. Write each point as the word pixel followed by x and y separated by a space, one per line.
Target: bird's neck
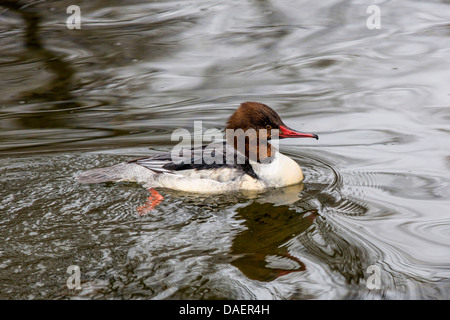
pixel 252 145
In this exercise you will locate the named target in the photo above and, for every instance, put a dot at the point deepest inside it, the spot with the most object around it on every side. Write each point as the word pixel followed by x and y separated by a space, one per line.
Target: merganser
pixel 249 168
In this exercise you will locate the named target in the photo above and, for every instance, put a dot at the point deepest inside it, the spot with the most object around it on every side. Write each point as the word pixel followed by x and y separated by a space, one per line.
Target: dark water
pixel 376 189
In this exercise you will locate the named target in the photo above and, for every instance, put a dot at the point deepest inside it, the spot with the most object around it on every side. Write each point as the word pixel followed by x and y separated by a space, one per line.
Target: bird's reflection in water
pixel 260 251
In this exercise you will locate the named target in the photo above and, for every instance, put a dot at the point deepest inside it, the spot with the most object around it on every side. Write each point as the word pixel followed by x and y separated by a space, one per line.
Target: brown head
pixel 257 116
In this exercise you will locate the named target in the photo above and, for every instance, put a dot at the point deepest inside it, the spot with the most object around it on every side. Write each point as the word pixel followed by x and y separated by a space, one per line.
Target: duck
pixel 246 160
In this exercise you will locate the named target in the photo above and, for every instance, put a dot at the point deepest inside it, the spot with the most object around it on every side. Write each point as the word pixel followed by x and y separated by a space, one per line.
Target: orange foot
pixel 152 201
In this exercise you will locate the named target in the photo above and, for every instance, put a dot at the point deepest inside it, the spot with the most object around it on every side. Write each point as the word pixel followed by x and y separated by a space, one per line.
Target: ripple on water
pixel 394 49
pixel 398 184
pixel 406 97
pixel 387 224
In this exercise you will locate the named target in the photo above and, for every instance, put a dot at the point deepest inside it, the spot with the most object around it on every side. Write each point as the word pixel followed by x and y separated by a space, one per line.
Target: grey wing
pixel 155 163
pixel 194 159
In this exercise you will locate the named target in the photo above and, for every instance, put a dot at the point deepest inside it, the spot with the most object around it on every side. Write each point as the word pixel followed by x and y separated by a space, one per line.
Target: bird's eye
pixel 268 126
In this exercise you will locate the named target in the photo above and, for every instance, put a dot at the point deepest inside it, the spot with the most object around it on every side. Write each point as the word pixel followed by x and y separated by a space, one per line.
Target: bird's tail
pixel 107 174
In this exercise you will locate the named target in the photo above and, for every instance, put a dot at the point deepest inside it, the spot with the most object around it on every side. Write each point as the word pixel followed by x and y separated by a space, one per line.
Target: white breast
pixel 281 172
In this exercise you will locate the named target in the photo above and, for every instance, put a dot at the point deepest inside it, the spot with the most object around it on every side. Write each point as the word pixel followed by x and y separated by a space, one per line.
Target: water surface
pixel 377 183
